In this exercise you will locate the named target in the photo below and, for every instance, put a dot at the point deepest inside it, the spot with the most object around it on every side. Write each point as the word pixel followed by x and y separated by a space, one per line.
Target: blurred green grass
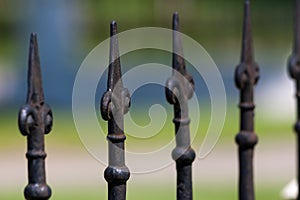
pixel 64 131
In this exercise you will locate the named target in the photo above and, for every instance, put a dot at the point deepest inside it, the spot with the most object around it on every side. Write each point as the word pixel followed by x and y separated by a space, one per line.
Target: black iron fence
pixel 35 117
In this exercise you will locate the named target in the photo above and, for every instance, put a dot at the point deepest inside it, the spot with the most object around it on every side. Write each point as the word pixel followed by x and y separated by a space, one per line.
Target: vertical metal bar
pixel 35 120
pixel 114 104
pixel 180 88
pixel 294 71
pixel 246 76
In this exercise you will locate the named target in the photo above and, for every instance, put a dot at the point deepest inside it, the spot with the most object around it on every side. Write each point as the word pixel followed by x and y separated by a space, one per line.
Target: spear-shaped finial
pixel 297 29
pixel 246 76
pixel 114 104
pixel 114 74
pixel 35 120
pixel 178 65
pixel 247 58
pixel 178 61
pixel 35 89
pixel 247 49
pixel 294 60
pixel 180 88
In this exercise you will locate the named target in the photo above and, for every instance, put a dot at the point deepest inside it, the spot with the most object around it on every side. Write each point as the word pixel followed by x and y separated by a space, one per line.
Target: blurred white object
pixel 290 191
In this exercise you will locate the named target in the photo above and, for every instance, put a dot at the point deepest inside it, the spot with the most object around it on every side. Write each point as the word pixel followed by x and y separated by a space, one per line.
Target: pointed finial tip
pixel 175 21
pixel 175 16
pixel 113 23
pixel 33 37
pixel 113 28
pixel 247 3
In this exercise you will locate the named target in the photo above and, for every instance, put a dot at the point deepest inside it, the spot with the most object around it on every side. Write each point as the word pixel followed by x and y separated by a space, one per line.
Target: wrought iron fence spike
pixel 35 120
pixel 294 72
pixel 246 76
pixel 115 103
pixel 179 88
pixel 297 29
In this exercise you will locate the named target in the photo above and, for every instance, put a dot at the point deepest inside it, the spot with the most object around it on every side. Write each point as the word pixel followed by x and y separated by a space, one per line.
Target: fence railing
pixel 35 118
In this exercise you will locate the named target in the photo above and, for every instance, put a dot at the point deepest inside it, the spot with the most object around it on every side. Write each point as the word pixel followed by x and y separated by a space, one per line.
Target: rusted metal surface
pixel 180 88
pixel 114 104
pixel 35 120
pixel 294 71
pixel 246 76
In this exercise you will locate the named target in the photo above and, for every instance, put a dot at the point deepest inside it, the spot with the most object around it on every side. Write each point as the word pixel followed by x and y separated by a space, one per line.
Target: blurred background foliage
pixel 215 24
pixel 68 30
